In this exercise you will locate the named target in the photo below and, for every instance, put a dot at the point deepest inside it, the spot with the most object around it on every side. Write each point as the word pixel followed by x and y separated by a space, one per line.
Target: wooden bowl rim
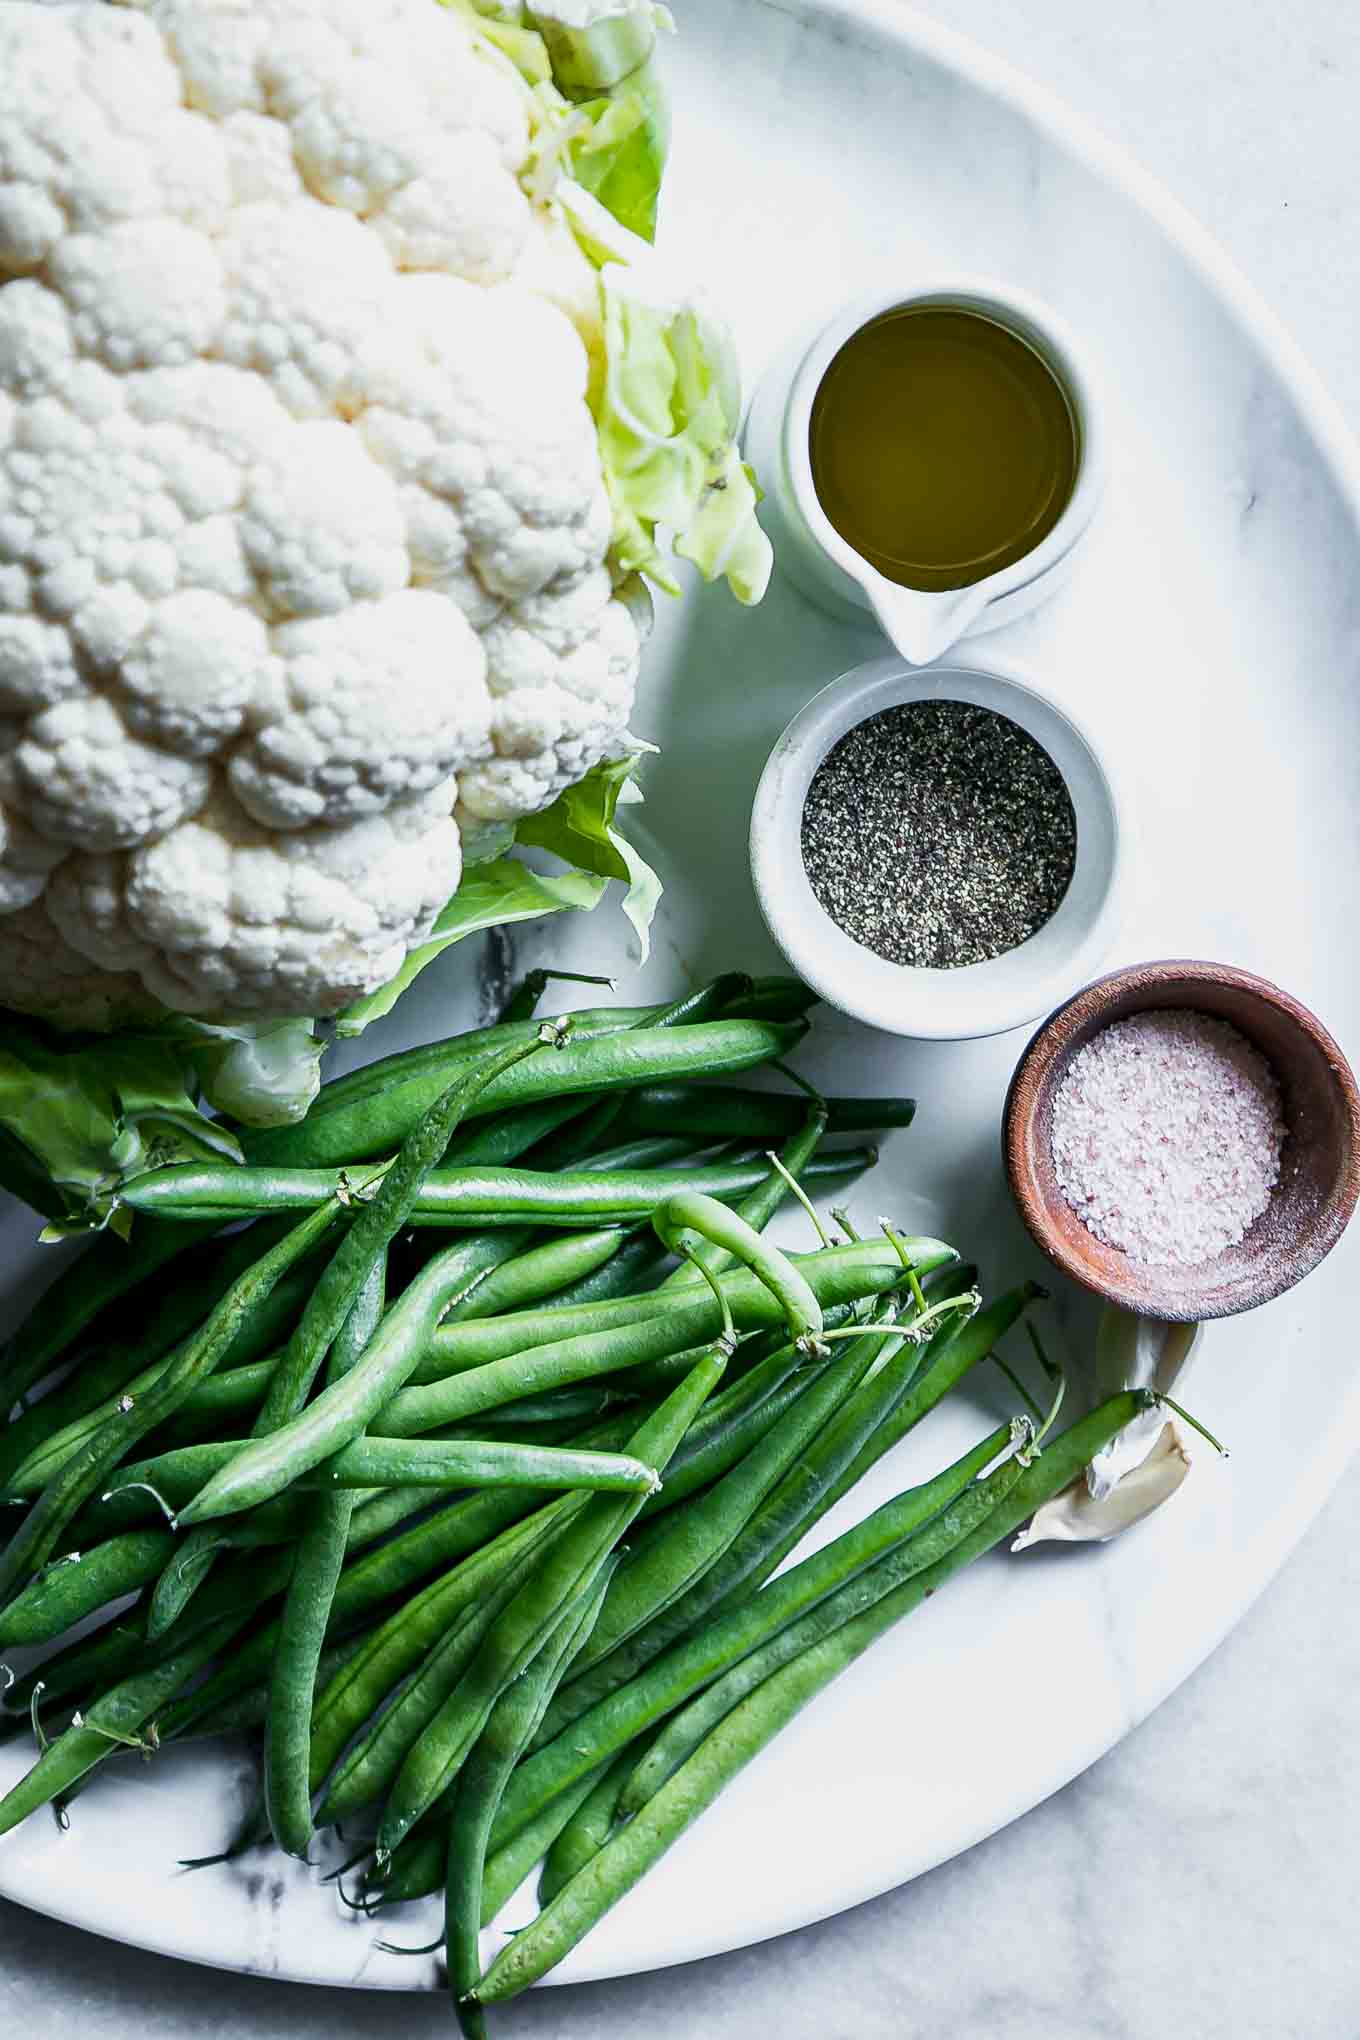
pixel 1043 1059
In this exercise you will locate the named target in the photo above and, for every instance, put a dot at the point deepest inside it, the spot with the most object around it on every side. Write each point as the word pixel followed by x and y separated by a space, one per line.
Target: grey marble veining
pixel 1200 1880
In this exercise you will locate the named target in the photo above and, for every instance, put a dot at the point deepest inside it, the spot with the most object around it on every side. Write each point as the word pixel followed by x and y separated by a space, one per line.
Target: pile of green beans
pixel 480 1544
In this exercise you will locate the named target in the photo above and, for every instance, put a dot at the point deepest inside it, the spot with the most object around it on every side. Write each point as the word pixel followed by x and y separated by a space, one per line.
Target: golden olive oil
pixel 943 446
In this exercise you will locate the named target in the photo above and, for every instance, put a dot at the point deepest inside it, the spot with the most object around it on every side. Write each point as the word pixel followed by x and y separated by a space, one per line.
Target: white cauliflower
pixel 305 537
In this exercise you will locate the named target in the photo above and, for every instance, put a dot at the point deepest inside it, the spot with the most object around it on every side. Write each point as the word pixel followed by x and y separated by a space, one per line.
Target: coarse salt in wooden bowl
pixel 1319 1182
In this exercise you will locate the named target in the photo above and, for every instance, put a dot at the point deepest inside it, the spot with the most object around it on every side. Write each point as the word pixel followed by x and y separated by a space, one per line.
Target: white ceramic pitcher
pixel 828 569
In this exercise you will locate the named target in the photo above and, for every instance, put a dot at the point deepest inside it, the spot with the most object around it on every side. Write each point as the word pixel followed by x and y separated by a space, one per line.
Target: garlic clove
pixel 1076 1516
pixel 1135 1352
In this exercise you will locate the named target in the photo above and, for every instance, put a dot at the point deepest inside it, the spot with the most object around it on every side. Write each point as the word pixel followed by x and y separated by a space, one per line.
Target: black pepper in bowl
pixel 939 834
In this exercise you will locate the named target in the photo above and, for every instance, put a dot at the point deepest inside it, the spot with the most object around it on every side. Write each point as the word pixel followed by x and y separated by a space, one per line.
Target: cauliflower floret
pixel 93 130
pixel 248 921
pixel 562 668
pixel 478 396
pixel 83 781
pixel 43 974
pixel 36 340
pixel 378 704
pixel 464 213
pixel 26 861
pixel 194 672
pixel 307 287
pixel 322 525
pixel 141 295
pixel 303 528
pixel 38 665
pixel 260 160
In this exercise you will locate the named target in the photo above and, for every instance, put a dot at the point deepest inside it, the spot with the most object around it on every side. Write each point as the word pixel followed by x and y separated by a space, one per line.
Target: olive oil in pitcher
pixel 943 447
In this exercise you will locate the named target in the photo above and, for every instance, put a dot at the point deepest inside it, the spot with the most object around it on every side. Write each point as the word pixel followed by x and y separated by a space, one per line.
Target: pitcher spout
pixel 922 626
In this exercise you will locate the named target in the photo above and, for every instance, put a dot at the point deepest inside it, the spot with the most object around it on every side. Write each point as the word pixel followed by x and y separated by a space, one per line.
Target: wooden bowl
pixel 1311 1204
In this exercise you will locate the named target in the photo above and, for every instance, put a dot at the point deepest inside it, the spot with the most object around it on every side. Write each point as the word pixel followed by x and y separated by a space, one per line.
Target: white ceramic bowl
pixel 979 998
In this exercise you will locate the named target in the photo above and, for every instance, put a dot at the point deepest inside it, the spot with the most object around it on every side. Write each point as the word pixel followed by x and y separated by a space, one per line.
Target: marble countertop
pixel 1200 1880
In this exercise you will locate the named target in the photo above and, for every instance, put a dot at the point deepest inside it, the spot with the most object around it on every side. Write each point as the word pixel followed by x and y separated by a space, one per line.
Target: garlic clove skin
pixel 1135 1352
pixel 1076 1516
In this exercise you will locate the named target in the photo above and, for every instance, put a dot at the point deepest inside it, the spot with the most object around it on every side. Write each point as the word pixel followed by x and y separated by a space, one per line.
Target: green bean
pixel 370 1767
pixel 111 1723
pixel 399 1645
pixel 373 1120
pixel 250 1709
pixel 509 1135
pixel 701 1655
pixel 491 1462
pixel 883 1408
pixel 100 1375
pixel 720 1112
pixel 636 1260
pixel 83 1667
pixel 682 1548
pixel 78 1584
pixel 481 1782
pixel 491 1143
pixel 519 1631
pixel 435 1062
pixel 839 1275
pixel 35 1539
pixel 461 1197
pixel 763 1200
pixel 345 1407
pixel 693 1211
pixel 585 1833
pixel 392 1568
pixel 757 1719
pixel 775 995
pixel 371 1464
pixel 507 1867
pixel 833 1278
pixel 307 1610
pixel 76 1297
pixel 538 1272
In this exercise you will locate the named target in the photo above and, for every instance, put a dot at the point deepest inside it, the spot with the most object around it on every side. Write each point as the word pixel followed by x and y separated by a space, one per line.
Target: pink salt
pixel 1167 1133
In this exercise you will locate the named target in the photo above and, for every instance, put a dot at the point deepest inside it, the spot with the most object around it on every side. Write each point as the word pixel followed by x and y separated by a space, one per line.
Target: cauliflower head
pixel 305 540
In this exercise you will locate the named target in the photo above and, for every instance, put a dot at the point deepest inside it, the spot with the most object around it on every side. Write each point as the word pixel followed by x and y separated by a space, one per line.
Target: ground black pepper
pixel 939 834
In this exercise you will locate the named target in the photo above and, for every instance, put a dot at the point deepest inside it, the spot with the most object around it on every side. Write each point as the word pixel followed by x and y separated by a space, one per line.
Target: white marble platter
pixel 1210 641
